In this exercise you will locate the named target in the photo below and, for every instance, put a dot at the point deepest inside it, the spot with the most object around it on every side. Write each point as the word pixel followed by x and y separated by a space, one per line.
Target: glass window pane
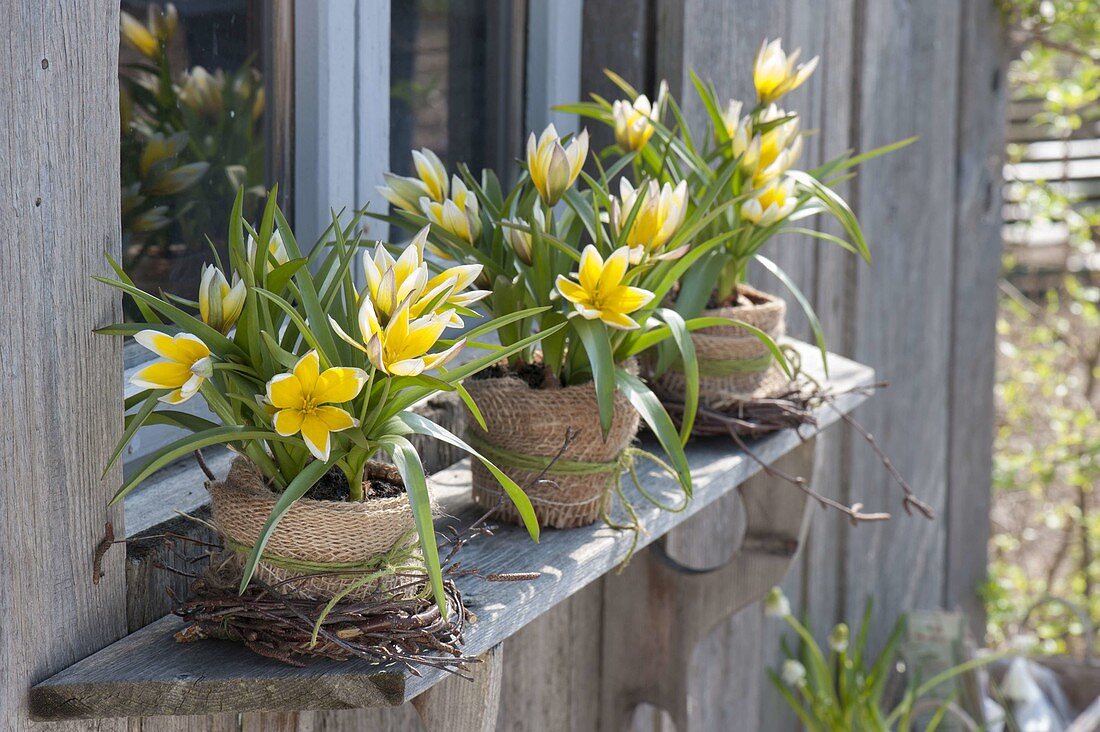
pixel 193 81
pixel 456 75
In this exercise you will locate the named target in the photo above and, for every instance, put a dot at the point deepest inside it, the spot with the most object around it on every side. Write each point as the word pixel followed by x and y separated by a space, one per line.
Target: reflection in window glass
pixel 191 95
pixel 445 94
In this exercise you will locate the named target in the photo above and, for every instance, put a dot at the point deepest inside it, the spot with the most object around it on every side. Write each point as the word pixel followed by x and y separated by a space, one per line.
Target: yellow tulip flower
pixel 276 250
pixel 391 281
pixel 778 149
pixel 458 214
pixel 661 213
pixel 774 73
pixel 522 242
pixel 554 168
pixel 137 36
pixel 601 293
pixel 634 121
pixel 773 203
pixel 404 193
pixel 185 364
pixel 219 304
pixel 432 173
pixel 304 398
pixel 202 91
pixel 401 346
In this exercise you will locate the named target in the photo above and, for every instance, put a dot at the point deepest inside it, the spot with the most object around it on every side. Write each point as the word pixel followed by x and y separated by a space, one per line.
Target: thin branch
pixel 853 512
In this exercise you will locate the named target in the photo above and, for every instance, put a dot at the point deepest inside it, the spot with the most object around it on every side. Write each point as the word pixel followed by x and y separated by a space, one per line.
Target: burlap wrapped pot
pixel 734 365
pixel 342 533
pixel 534 422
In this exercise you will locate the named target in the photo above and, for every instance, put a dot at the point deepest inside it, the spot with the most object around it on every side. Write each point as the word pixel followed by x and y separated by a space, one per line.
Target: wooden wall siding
pixel 59 215
pixel 923 316
pixel 981 136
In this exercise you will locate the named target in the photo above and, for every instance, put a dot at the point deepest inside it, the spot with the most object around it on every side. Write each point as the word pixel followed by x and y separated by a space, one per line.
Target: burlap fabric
pixel 534 422
pixel 733 364
pixel 311 531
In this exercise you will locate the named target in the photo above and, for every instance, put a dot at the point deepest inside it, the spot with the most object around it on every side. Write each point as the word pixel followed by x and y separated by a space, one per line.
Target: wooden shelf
pixel 148 673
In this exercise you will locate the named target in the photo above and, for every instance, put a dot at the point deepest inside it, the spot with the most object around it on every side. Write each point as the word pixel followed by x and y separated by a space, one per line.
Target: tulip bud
pixel 275 248
pixel 431 171
pixel 158 147
pixel 149 221
pixel 202 91
pixel 660 214
pixel 219 304
pixel 634 122
pixel 552 167
pixel 404 193
pixel 163 21
pixel 732 116
pixel 838 639
pixel 459 215
pixel 137 36
pixel 793 673
pixel 771 204
pixel 776 604
pixel 520 241
pixel 178 179
pixel 774 73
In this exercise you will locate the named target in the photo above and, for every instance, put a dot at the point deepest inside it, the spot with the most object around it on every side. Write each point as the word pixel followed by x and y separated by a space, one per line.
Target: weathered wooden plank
pixel 148 673
pixel 59 216
pixel 906 202
pixel 552 668
pixel 616 36
pixel 977 264
pixel 458 703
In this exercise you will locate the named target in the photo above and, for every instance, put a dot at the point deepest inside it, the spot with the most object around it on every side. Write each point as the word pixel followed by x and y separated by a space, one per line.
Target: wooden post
pixel 60 384
pixel 667 601
pixel 460 704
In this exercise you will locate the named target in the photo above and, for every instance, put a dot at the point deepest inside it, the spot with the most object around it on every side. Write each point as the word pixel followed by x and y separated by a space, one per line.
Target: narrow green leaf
pixel 682 338
pixel 297 488
pixel 146 312
pixel 408 463
pixel 471 405
pixel 133 423
pixel 424 426
pixel 807 308
pixel 654 414
pixel 598 347
pixel 187 445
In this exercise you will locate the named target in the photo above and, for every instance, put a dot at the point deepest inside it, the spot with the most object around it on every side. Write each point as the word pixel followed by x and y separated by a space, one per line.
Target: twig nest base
pixel 315 539
pixel 526 423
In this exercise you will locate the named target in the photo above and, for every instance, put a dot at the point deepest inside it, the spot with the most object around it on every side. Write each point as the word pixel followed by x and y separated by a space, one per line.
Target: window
pixel 345 91
pixel 457 81
pixel 203 113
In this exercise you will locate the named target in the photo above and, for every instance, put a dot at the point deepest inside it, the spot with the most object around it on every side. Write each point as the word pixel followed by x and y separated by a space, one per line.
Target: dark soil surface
pixel 377 488
pixel 535 374
pixel 736 300
pixel 333 486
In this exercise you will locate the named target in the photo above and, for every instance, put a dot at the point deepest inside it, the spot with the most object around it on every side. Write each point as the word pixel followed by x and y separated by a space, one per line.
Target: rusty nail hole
pixel 45 63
